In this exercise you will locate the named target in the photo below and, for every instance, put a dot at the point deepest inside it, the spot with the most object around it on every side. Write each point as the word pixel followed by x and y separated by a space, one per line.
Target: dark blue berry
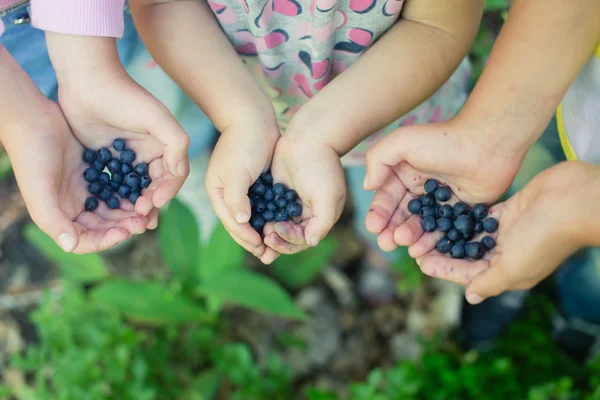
pixel 490 225
pixel 294 209
pixel 291 196
pixel 117 176
pixel 281 202
pixel 436 210
pixel 269 195
pixel 141 169
pixel 427 200
pixel 474 250
pixel 260 205
pixel 428 224
pixel 145 181
pixel 106 193
pixel 453 234
pixel 127 156
pixel 94 187
pixel 414 206
pixel 119 144
pixel 126 168
pixel 134 196
pixel 464 224
pixel 480 211
pixel 444 245
pixel 446 211
pixel 132 180
pixel 461 208
pixel 89 155
pixel 91 204
pixel 431 186
pixel 461 242
pixel 427 211
pixel 279 189
pixel 281 215
pixel 91 175
pixel 271 206
pixel 266 178
pixel 443 194
pixel 268 215
pixel 478 227
pixel 258 189
pixel 98 165
pixel 114 165
pixel 113 203
pixel 104 178
pixel 114 185
pixel 467 236
pixel 488 242
pixel 257 222
pixel 124 191
pixel 251 202
pixel 104 155
pixel 444 224
pixel 457 251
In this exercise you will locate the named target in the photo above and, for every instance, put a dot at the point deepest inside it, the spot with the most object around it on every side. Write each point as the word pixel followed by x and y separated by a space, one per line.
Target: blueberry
pixel 294 209
pixel 117 176
pixel 461 208
pixel 98 165
pixel 124 191
pixel 427 211
pixel 106 193
pixel 453 234
pixel 427 200
pixel 269 195
pixel 113 203
pixel 271 206
pixel 281 215
pixel 414 206
pixel 132 180
pixel 480 211
pixel 281 202
pixel 279 189
pixel 104 178
pixel 478 227
pixel 126 168
pixel 127 156
pixel 104 155
pixel 141 169
pixel 490 225
pixel 436 210
pixel 488 242
pixel 446 211
pixel 257 189
pixel 268 215
pixel 119 144
pixel 89 155
pixel 467 236
pixel 91 175
pixel 257 222
pixel 266 178
pixel 474 250
pixel 94 187
pixel 291 196
pixel 145 181
pixel 114 165
pixel 444 245
pixel 464 224
pixel 444 224
pixel 457 251
pixel 114 185
pixel 431 186
pixel 428 224
pixel 134 196
pixel 91 204
pixel 461 242
pixel 260 205
pixel 443 194
pixel 251 202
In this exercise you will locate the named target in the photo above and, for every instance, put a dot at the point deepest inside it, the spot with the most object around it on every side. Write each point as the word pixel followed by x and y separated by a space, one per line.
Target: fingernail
pixel 181 168
pixel 474 298
pixel 313 241
pixel 366 181
pixel 241 217
pixel 67 241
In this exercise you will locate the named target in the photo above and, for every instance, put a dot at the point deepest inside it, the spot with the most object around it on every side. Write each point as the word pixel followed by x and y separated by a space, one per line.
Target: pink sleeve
pixel 79 17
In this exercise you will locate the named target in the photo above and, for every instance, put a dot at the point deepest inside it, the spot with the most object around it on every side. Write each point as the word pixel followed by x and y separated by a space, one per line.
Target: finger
pixel 167 188
pixel 269 256
pixel 235 195
pixel 325 212
pixel 134 224
pixel 290 232
pixel 51 219
pixel 488 284
pixel 409 232
pixel 441 266
pixel 276 243
pixel 425 244
pixel 385 203
pixel 91 241
pixel 153 219
pixel 257 251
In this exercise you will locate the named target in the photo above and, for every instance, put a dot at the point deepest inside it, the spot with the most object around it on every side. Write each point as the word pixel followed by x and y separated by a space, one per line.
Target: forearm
pixel 587 208
pixel 186 40
pixel 541 49
pixel 405 67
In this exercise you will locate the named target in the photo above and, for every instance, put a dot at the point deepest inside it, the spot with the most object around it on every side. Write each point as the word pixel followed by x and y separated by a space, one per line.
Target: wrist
pixel 256 124
pixel 586 206
pixel 313 126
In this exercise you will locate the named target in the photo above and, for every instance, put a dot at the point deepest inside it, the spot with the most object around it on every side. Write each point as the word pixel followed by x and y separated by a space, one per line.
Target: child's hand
pixel 450 152
pixel 552 217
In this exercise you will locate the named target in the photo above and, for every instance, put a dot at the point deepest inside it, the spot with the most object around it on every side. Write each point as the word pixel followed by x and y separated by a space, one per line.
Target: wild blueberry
pixel 89 155
pixel 428 224
pixel 281 202
pixel 114 185
pixel 453 234
pixel 94 187
pixel 436 210
pixel 427 211
pixel 464 224
pixel 443 194
pixel 260 205
pixel 98 165
pixel 488 242
pixel 269 195
pixel 294 209
pixel 141 169
pixel 467 236
pixel 145 181
pixel 478 227
pixel 279 189
pixel 490 225
pixel 91 203
pixel 106 193
pixel 117 176
pixel 431 186
pixel 457 251
pixel 461 208
pixel 268 215
pixel 480 211
pixel 104 155
pixel 258 189
pixel 134 196
pixel 461 242
pixel 132 180
pixel 251 202
pixel 124 191
pixel 446 211
pixel 281 215
pixel 444 245
pixel 119 144
pixel 271 206
pixel 266 178
pixel 474 250
pixel 126 168
pixel 104 178
pixel 91 175
pixel 113 203
pixel 444 224
pixel 127 156
pixel 427 200
pixel 257 222
pixel 291 196
pixel 114 165
pixel 414 206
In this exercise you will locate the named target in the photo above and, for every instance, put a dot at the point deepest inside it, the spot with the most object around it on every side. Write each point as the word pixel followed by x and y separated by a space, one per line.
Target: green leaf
pixel 205 386
pixel 148 302
pixel 299 269
pixel 81 268
pixel 221 254
pixel 179 240
pixel 251 290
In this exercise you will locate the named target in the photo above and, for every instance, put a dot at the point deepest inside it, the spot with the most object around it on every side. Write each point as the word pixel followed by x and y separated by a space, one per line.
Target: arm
pixel 412 60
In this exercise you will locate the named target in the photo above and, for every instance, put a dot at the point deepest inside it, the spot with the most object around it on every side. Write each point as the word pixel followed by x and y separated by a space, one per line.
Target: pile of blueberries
pixel 271 202
pixel 108 175
pixel 460 222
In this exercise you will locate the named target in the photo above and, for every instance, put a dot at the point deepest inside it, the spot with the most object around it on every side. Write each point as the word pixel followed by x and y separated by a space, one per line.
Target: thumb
pixel 325 212
pixel 57 224
pixel 235 195
pixel 491 283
